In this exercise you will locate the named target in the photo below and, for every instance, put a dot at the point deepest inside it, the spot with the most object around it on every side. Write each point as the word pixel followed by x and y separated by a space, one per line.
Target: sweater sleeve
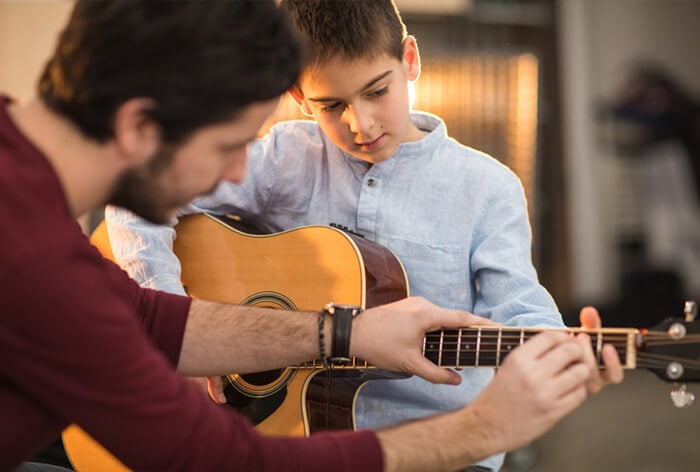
pixel 163 317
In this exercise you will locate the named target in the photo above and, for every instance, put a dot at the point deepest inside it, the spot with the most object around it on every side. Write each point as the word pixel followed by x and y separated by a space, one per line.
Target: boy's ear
pixel 136 135
pixel 298 97
pixel 411 58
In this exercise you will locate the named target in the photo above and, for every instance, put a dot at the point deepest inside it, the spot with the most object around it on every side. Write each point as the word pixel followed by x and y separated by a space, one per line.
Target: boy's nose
pixel 359 120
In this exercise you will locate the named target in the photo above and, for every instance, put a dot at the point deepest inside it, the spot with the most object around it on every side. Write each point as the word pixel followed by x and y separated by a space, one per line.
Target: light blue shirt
pixel 455 217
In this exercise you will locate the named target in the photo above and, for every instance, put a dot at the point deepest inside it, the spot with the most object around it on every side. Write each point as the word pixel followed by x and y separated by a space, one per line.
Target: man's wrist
pixel 322 336
pixel 342 317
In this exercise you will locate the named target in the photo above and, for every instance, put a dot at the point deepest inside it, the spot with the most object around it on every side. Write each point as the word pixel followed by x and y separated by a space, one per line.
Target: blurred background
pixel 595 105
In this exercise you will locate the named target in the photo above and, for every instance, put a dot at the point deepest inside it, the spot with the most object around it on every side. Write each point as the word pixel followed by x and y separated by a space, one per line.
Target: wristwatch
pixel 342 327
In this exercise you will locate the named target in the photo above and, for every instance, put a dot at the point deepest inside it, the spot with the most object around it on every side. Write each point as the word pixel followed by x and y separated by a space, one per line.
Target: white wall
pixel 28 30
pixel 600 39
pixel 667 31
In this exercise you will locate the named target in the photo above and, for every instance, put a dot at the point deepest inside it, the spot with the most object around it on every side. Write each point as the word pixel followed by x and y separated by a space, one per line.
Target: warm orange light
pixel 489 102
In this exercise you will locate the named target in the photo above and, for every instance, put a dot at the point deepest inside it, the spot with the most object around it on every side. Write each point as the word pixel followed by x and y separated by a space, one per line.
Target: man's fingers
pixel 613 372
pixel 543 343
pixel 455 319
pixel 595 383
pixel 432 373
pixel 613 368
pixel 574 396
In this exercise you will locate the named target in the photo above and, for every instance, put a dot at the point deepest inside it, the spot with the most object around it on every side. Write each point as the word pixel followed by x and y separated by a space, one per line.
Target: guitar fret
pixel 599 348
pixel 459 345
pixel 488 355
pixel 430 350
pixel 450 350
pixel 478 346
pixel 467 351
pixel 498 347
pixel 442 337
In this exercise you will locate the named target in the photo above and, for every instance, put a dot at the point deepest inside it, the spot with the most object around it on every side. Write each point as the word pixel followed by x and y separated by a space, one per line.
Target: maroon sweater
pixel 81 342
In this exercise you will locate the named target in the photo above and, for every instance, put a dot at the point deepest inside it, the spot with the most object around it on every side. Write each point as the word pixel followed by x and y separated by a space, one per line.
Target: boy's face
pixel 175 175
pixel 363 105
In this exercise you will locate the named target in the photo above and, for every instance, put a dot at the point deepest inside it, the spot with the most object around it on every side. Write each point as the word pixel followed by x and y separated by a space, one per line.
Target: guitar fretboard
pixel 489 346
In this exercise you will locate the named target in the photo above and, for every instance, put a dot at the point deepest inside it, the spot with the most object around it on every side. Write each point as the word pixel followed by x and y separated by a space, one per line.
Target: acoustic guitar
pixel 304 268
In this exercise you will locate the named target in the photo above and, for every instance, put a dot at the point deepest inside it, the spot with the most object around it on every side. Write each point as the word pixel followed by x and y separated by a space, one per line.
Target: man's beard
pixel 138 190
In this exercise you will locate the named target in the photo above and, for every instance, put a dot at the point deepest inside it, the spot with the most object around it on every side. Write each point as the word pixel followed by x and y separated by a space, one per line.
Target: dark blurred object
pixel 655 127
pixel 653 107
pixel 647 297
pixel 54 454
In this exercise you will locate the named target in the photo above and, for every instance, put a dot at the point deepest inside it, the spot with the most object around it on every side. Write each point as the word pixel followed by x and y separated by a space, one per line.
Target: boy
pixel 455 217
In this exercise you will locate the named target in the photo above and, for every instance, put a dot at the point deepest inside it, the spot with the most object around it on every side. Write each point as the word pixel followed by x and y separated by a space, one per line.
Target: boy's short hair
pixel 346 29
pixel 201 62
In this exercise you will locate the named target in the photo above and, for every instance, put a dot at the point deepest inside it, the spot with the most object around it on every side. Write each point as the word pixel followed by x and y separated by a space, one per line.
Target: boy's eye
pixel 330 106
pixel 380 92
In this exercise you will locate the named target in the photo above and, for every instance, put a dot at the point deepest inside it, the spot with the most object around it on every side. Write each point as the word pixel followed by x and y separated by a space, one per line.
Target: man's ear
pixel 411 58
pixel 136 135
pixel 298 97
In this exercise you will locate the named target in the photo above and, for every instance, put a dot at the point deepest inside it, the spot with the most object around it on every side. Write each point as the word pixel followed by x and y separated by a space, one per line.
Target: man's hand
pixel 613 369
pixel 538 384
pixel 391 336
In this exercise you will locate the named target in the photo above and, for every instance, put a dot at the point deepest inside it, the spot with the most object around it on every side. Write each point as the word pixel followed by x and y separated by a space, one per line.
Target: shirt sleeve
pixel 508 289
pixel 144 250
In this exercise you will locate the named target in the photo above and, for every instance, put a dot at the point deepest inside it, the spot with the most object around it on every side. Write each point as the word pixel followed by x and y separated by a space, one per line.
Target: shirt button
pixel 371 182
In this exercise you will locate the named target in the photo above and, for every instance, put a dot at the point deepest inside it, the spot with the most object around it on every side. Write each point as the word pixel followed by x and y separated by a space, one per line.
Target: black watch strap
pixel 342 328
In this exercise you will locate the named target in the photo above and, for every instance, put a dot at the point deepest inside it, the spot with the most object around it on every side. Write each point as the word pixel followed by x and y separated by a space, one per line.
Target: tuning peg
pixel 690 310
pixel 680 397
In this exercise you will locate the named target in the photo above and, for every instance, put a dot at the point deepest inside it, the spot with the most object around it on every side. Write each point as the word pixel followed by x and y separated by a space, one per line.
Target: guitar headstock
pixel 672 351
pixel 672 348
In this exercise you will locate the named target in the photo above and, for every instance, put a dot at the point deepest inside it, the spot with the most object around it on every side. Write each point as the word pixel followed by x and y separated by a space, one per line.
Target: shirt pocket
pixel 438 272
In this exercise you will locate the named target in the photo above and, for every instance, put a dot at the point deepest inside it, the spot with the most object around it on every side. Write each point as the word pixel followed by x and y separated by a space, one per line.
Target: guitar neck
pixel 488 346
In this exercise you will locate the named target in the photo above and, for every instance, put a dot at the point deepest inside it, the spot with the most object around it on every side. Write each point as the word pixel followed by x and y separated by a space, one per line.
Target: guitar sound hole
pixel 256 409
pixel 262 378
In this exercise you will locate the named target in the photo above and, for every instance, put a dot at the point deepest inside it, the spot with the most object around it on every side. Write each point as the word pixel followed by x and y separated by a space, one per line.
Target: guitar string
pixel 507 340
pixel 651 335
pixel 644 359
pixel 651 339
pixel 526 335
pixel 665 359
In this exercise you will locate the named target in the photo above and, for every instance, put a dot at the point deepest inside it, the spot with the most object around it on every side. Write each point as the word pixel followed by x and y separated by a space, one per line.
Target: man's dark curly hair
pixel 201 62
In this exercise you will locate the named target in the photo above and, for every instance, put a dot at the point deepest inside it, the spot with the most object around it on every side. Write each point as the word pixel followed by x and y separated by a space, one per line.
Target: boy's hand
pixel 213 386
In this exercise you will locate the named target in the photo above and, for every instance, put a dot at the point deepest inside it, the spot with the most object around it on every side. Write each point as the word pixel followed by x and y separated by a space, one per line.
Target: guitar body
pixel 86 454
pixel 300 269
